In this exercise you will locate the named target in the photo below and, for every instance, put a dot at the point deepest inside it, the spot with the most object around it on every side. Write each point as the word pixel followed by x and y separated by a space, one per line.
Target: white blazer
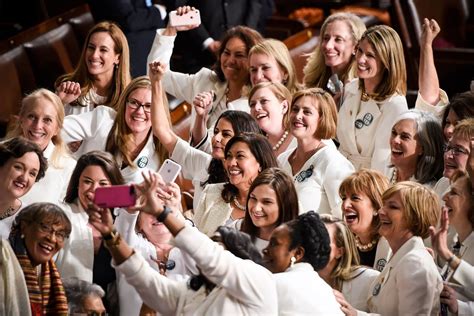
pixel 367 145
pixel 187 86
pixel 356 289
pixel 410 283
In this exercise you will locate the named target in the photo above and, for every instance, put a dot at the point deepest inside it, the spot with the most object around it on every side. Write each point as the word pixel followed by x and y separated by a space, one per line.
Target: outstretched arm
pixel 428 81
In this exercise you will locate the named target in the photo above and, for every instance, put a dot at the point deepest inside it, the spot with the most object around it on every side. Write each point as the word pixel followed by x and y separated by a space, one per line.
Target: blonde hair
pixel 465 129
pixel 278 50
pixel 421 208
pixel 279 91
pixel 388 47
pixel 349 261
pixel 120 136
pixel 60 148
pixel 316 73
pixel 327 110
pixel 121 76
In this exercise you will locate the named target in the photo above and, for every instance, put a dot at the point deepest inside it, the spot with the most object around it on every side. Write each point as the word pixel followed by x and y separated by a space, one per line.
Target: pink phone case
pixel 115 196
pixel 191 18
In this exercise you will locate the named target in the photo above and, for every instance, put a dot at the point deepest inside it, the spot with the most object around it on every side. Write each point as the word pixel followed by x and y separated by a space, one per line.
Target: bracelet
pixel 110 235
pixel 163 215
pixel 451 259
pixel 114 241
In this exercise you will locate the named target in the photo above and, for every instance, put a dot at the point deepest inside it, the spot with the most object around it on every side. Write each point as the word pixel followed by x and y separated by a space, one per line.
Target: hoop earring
pixel 292 261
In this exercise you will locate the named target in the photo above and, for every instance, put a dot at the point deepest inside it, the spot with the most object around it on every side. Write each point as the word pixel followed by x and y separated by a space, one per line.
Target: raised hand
pixel 100 218
pixel 157 70
pixel 69 91
pixel 430 29
pixel 439 237
pixel 203 103
pixel 172 30
pixel 149 200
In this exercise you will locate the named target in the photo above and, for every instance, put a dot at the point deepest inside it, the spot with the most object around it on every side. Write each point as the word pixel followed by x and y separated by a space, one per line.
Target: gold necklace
pixel 9 212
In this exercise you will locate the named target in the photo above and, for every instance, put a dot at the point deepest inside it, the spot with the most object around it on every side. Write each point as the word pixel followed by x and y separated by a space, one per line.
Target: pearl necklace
pixel 366 247
pixel 393 179
pixel 236 203
pixel 281 141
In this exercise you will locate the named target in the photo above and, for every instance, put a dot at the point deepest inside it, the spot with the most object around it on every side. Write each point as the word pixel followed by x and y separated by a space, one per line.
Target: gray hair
pixel 429 166
pixel 77 291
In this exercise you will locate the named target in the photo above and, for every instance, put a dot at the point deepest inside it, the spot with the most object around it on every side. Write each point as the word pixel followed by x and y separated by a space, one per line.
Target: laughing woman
pixel 126 134
pixel 318 169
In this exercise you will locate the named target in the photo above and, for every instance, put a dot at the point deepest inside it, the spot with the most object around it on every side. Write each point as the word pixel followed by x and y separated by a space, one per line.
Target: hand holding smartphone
pixel 169 171
pixel 191 18
pixel 115 196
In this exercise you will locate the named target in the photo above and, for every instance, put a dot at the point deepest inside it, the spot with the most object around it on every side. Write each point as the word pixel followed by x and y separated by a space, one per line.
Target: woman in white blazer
pixel 410 283
pixel 40 120
pixel 228 78
pixel 361 195
pixel 373 102
pixel 317 169
pixel 127 134
pixel 459 212
pixel 343 271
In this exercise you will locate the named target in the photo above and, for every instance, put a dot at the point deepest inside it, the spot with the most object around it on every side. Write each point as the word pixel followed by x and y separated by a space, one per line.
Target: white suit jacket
pixel 356 289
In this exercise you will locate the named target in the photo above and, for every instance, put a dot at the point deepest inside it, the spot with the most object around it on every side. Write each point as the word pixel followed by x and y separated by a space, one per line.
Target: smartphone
pixel 115 196
pixel 169 170
pixel 191 18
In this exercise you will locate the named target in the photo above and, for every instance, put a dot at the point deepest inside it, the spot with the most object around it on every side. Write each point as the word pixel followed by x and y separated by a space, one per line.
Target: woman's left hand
pixel 448 297
pixel 149 200
pixel 100 218
pixel 346 308
pixel 171 195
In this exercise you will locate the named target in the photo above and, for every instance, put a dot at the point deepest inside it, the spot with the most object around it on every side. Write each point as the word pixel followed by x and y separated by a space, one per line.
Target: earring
pixel 375 213
pixel 22 236
pixel 116 66
pixel 292 261
pixel 259 169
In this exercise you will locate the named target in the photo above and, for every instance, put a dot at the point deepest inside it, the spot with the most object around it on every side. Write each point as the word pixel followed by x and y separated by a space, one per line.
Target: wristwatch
pixel 163 215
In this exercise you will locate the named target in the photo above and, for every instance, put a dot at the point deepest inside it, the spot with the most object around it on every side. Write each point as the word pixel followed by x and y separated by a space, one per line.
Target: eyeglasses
pixel 455 150
pixel 47 229
pixel 134 104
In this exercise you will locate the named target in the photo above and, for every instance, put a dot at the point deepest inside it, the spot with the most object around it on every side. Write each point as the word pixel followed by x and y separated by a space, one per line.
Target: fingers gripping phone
pixel 169 171
pixel 115 196
pixel 191 18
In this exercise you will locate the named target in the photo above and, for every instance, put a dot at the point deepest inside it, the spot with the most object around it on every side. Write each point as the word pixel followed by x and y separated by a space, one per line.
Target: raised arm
pixel 428 82
pixel 202 104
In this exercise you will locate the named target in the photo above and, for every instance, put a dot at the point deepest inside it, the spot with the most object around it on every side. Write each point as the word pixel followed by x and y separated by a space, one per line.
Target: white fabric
pixel 259 243
pixel 53 186
pixel 466 253
pixel 301 291
pixel 367 147
pixel 244 288
pixel 195 164
pixel 382 254
pixel 437 109
pixel 212 211
pixel 356 289
pixel 89 105
pixel 320 192
pixel 186 87
pixel 94 127
pixel 6 223
pixel 76 258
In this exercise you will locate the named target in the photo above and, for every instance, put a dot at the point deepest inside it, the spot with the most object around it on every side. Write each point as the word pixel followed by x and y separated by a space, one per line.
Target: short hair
pixel 121 76
pixel 420 205
pixel 388 47
pixel 370 182
pixel 465 129
pixel 279 91
pixel 350 260
pixel 17 147
pixel 60 148
pixel 77 291
pixel 93 158
pixel 326 108
pixel 249 36
pixel 287 198
pixel 462 105
pixel 260 149
pixel 41 212
pixel 240 244
pixel 316 73
pixel 464 176
pixel 429 165
pixel 308 231
pixel 278 50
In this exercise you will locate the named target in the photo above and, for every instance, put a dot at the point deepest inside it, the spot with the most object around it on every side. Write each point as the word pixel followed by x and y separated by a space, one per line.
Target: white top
pixel 243 287
pixel 94 127
pixel 259 243
pixel 367 145
pixel 356 289
pixel 317 182
pixel 53 186
pixel 410 283
pixel 6 223
pixel 195 164
pixel 90 99
pixel 76 258
pixel 301 291
pixel 186 87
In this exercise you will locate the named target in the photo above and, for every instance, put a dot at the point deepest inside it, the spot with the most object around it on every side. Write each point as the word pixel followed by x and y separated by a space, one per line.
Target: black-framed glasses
pixel 135 105
pixel 48 229
pixel 455 150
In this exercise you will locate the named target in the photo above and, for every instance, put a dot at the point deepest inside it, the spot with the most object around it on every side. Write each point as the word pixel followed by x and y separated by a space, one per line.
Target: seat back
pixel 81 25
pixel 301 45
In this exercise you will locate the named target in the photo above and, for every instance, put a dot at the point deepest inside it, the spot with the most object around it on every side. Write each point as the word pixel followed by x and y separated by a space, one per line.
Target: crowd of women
pixel 323 197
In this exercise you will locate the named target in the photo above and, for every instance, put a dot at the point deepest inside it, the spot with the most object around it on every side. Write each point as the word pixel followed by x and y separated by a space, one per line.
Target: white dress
pixel 94 127
pixel 186 87
pixel 53 186
pixel 90 100
pixel 364 127
pixel 317 182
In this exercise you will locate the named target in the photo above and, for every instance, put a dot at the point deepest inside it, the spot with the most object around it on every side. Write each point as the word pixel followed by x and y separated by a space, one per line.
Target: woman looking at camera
pixel 318 169
pixel 21 165
pixel 102 73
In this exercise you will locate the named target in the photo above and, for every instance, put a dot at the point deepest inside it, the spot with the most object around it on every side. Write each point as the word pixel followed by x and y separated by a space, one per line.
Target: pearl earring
pixel 292 261
pixel 374 213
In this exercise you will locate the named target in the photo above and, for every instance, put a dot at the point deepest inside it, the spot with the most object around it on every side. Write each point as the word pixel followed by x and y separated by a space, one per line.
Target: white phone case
pixel 191 18
pixel 169 170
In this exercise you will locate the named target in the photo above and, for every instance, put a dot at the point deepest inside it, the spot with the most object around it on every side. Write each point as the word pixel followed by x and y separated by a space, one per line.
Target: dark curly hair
pixel 241 122
pixel 308 231
pixel 19 146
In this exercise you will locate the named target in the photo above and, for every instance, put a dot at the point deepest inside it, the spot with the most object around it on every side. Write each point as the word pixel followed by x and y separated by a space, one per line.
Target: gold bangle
pixel 114 241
